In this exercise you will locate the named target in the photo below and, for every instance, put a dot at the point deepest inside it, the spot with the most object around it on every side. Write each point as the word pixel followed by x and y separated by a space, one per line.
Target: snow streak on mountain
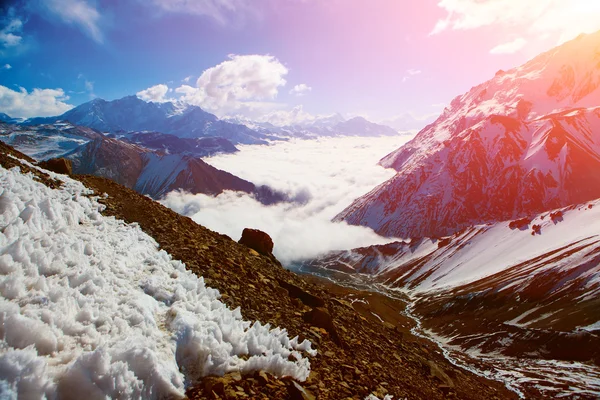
pixel 524 142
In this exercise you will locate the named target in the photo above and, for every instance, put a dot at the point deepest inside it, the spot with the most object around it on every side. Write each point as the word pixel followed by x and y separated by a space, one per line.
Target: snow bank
pixel 89 307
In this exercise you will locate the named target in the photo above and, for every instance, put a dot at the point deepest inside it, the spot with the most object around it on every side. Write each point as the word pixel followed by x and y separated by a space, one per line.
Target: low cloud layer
pixel 327 174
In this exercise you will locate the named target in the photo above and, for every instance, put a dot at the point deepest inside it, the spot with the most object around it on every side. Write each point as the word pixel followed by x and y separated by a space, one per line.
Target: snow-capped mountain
pixel 46 141
pixel 524 289
pixel 331 126
pixel 524 142
pixel 131 114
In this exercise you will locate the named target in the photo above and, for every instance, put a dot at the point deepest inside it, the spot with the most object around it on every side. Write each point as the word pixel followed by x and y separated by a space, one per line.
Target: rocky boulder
pixel 257 240
pixel 58 165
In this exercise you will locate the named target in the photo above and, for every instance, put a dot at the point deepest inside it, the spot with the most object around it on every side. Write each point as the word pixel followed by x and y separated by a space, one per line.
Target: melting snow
pixel 90 307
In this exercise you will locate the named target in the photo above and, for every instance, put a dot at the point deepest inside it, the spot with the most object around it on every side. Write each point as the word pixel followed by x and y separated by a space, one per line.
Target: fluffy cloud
pixel 566 19
pixel 328 174
pixel 156 93
pixel 301 89
pixel 510 47
pixel 11 33
pixel 242 82
pixel 7 66
pixel 80 13
pixel 37 103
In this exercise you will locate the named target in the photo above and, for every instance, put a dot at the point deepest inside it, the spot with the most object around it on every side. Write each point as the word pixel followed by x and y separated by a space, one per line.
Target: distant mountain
pixel 54 140
pixel 8 119
pixel 332 126
pixel 131 114
pixel 201 147
pixel 152 173
pixel 524 142
pixel 148 162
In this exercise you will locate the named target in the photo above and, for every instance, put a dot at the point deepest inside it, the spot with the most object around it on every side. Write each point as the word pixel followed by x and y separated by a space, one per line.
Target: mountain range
pixel 131 114
pixel 521 143
pixel 149 162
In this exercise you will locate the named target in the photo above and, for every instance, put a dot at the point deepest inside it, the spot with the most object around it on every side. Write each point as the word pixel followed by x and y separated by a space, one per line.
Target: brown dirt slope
pixel 358 353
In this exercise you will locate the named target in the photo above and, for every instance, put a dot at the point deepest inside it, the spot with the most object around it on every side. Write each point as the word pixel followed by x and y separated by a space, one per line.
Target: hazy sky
pixel 377 58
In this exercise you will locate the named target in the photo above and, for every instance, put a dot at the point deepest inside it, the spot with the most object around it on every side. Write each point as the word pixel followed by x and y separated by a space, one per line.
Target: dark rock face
pixel 257 240
pixel 58 165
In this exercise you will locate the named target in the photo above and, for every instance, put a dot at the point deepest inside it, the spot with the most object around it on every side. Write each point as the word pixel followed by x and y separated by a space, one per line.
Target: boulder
pixel 257 240
pixel 298 293
pixel 321 318
pixel 58 165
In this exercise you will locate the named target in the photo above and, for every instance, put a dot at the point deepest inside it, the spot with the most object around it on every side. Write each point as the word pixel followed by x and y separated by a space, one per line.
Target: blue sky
pixel 290 58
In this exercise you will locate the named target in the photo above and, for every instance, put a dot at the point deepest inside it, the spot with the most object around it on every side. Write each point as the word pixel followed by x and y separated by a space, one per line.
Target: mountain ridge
pixel 518 144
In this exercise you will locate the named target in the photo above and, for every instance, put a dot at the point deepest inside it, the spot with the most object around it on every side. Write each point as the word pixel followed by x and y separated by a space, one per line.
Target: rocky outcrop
pixel 257 240
pixel 58 165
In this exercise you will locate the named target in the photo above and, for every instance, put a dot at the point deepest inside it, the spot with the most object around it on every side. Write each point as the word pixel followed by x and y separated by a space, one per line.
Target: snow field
pixel 90 307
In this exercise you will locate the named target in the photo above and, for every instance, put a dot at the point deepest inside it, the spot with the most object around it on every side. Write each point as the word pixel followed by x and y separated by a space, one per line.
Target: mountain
pixel 201 147
pixel 151 163
pixel 46 141
pixel 8 119
pixel 524 142
pixel 331 126
pixel 526 289
pixel 105 291
pixel 156 173
pixel 131 114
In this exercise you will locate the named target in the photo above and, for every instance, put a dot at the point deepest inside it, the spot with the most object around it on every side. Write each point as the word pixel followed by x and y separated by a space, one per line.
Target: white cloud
pixel 242 83
pixel 156 93
pixel 296 115
pixel 219 10
pixel 410 73
pixel 187 79
pixel 566 19
pixel 37 103
pixel 79 13
pixel 7 66
pixel 300 90
pixel 11 34
pixel 327 173
pixel 509 47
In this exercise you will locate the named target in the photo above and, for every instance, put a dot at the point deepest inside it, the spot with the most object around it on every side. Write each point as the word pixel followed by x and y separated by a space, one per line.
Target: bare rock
pixel 321 318
pixel 257 240
pixel 297 392
pixel 58 165
pixel 298 293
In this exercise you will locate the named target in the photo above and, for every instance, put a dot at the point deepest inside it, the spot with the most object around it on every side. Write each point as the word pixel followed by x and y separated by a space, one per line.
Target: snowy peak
pixel 131 114
pixel 524 142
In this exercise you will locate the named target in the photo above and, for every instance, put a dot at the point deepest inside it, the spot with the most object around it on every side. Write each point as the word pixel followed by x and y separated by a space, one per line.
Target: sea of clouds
pixel 323 176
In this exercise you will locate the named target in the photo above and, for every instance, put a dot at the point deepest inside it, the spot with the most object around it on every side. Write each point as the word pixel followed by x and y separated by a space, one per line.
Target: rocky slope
pixel 519 290
pixel 358 353
pixel 131 114
pixel 523 142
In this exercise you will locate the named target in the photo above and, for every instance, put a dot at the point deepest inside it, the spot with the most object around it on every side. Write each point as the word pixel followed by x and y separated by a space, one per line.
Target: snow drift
pixel 90 307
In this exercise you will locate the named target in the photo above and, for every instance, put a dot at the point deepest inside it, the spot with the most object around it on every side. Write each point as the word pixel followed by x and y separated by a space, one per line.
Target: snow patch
pixel 89 306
